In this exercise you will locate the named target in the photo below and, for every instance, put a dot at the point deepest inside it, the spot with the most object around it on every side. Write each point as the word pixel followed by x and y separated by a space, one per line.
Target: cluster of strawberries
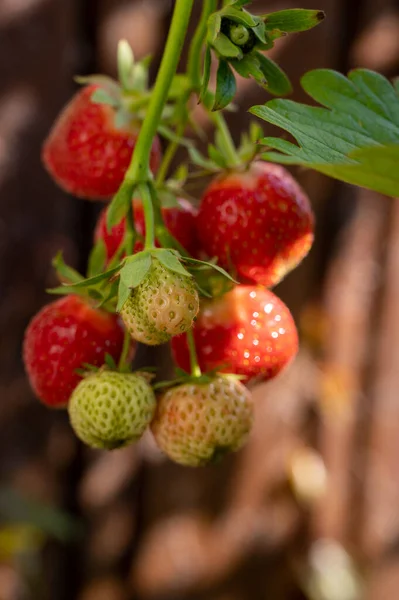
pixel 255 221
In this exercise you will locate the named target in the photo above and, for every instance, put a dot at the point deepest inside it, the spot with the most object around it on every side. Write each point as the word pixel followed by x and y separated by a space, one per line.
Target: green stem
pixel 148 208
pixel 195 54
pixel 139 168
pixel 195 368
pixel 123 360
pixel 220 123
pixel 194 74
pixel 130 231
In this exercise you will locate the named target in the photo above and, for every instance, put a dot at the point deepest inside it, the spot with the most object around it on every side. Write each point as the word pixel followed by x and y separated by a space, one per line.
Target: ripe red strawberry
pixel 197 423
pixel 179 220
pixel 85 153
pixel 259 221
pixel 63 336
pixel 249 331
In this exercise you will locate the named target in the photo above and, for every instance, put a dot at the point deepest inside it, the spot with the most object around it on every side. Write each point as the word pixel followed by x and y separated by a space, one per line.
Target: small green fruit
pixel 163 305
pixel 110 410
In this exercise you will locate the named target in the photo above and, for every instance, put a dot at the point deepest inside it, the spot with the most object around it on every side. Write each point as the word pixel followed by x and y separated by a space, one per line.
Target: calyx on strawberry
pixel 196 423
pixel 180 221
pixel 248 331
pixel 110 410
pixel 163 303
pixel 63 337
pixel 86 153
pixel 258 222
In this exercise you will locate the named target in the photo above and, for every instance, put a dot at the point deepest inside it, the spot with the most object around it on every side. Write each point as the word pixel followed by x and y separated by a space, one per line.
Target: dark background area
pixel 309 509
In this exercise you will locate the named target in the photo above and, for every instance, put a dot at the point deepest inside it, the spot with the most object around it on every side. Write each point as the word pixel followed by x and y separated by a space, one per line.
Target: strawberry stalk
pixel 124 361
pixel 228 143
pixel 194 366
pixel 139 170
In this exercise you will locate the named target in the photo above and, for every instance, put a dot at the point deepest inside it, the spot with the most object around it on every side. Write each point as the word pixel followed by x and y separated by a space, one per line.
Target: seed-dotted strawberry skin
pixel 249 331
pixel 180 221
pixel 110 410
pixel 86 154
pixel 163 305
pixel 258 222
pixel 63 336
pixel 197 423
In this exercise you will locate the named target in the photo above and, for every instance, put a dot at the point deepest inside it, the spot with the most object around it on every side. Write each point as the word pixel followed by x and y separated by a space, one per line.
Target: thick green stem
pixel 195 368
pixel 124 357
pixel 148 208
pixel 194 65
pixel 139 168
pixel 230 149
pixel 130 235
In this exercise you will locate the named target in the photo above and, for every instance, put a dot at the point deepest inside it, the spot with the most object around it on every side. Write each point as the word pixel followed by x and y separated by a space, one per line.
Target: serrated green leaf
pixel 294 20
pixel 225 48
pixel 276 81
pixel 225 86
pixel 125 62
pixel 206 73
pixel 101 96
pixel 135 269
pixel 238 15
pixel 97 258
pixel 170 261
pixel 123 294
pixel 354 139
pixel 119 206
pixel 65 272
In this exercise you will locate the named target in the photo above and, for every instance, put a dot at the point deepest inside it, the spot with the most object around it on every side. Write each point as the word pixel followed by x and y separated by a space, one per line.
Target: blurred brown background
pixel 310 509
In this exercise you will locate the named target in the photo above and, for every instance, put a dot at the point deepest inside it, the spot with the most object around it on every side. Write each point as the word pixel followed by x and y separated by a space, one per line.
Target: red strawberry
pixel 85 153
pixel 259 221
pixel 248 331
pixel 179 220
pixel 63 336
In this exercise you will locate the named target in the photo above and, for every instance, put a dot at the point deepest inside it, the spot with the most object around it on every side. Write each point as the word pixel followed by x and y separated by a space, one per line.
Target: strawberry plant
pixel 163 270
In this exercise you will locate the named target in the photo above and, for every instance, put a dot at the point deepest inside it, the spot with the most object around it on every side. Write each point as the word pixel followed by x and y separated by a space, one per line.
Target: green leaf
pixel 97 258
pixel 170 261
pixel 355 139
pixel 135 269
pixel 225 86
pixel 101 96
pixel 294 20
pixel 65 273
pixel 225 48
pixel 125 64
pixel 120 205
pixel 109 361
pixel 277 81
pixel 207 73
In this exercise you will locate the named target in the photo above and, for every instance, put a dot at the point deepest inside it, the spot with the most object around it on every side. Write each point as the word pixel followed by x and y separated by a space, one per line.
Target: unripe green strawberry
pixel 163 305
pixel 197 423
pixel 110 410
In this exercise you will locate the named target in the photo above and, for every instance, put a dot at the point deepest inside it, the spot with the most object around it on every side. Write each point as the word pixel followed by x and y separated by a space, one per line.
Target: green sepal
pixel 135 269
pixel 125 60
pixel 109 361
pixel 206 73
pixel 123 294
pixel 293 20
pixel 102 96
pixel 199 160
pixel 225 48
pixel 238 15
pixel 120 205
pixel 103 81
pixel 276 81
pixel 65 272
pixel 214 25
pixel 96 279
pixel 171 136
pixel 97 258
pixel 225 86
pixel 210 265
pixel 249 66
pixel 170 261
